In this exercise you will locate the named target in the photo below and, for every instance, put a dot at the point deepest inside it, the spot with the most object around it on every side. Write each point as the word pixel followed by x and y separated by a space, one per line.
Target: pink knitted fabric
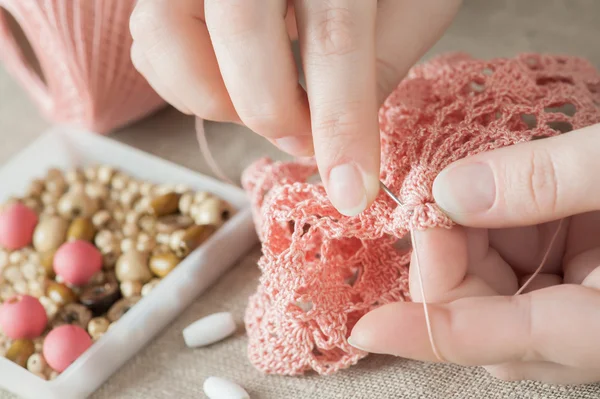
pixel 83 48
pixel 322 271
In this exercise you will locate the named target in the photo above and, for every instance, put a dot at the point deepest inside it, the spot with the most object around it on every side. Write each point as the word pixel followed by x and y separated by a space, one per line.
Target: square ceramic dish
pixel 65 147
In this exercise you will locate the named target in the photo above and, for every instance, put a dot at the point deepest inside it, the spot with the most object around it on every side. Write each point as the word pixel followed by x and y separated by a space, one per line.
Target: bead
pixel 121 307
pixel 175 239
pixel 163 238
pixel 146 189
pixel 47 262
pixel 171 223
pixel 97 327
pixel 16 257
pixel 6 291
pixel 98 278
pixel 33 203
pixel 147 223
pixel 145 243
pixel 133 266
pixel 72 313
pixel 209 329
pixel 162 264
pixel 36 288
pixel 64 345
pixel 119 181
pixel 105 174
pixel 50 233
pixel 161 249
pixel 36 363
pixel 56 186
pixel 193 238
pixel 99 298
pixel 30 271
pixel 53 375
pixel 201 196
pixel 13 274
pixel 50 307
pixel 220 388
pixel 81 229
pixel 17 223
pixel 185 203
pixel 20 350
pixel 128 198
pixel 133 186
pixel 132 217
pixel 35 188
pixel 38 344
pixel 90 172
pixel 148 287
pixel 3 259
pixel 142 205
pixel 74 175
pixel 48 198
pixel 118 215
pixel 131 288
pixel 110 255
pixel 127 244
pixel 74 204
pixel 104 238
pixel 77 261
pixel 212 211
pixel 165 204
pixel 21 287
pixel 130 230
pixel 60 293
pixel 101 219
pixel 23 316
pixel 163 189
pixel 34 258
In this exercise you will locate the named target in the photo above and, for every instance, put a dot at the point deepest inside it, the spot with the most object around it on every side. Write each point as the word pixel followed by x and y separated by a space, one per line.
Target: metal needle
pixel 390 193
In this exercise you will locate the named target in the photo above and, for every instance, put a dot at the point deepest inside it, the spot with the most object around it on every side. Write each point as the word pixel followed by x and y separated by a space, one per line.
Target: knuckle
pixel 147 20
pixel 524 309
pixel 334 32
pixel 338 126
pixel 541 181
pixel 266 119
pixel 231 17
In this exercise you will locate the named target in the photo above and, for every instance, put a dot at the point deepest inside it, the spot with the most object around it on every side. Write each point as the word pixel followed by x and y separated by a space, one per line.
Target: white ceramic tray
pixel 64 147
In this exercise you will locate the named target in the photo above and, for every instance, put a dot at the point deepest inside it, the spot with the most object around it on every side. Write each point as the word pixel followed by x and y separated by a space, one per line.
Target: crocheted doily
pixel 322 271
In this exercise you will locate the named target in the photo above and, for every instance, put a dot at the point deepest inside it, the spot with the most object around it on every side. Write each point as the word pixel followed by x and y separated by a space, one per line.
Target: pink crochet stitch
pixel 322 271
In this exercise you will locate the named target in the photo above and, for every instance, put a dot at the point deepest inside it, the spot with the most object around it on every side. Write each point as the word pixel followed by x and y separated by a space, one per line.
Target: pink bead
pixel 23 316
pixel 17 223
pixel 77 261
pixel 64 345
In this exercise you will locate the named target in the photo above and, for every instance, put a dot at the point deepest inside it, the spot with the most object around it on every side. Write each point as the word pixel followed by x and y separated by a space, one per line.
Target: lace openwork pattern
pixel 322 271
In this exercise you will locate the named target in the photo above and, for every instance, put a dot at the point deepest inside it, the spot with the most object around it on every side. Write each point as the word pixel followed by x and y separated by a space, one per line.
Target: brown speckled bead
pixel 60 293
pixel 20 350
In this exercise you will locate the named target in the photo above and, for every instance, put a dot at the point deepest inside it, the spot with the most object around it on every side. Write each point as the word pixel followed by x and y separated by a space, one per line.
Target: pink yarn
pixel 83 48
pixel 322 271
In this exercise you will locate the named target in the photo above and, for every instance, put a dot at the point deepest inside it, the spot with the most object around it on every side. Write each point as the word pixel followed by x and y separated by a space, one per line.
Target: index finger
pixel 337 40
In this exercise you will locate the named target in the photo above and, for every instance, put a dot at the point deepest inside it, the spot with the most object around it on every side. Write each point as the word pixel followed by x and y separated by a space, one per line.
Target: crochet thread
pixel 322 271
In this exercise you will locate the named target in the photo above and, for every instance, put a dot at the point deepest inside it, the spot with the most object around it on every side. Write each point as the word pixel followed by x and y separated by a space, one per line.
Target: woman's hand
pixel 231 60
pixel 549 333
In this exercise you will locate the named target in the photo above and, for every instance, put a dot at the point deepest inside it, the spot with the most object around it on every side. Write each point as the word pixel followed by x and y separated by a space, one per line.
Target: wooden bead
pixel 50 306
pixel 97 191
pixel 36 363
pixel 119 181
pixel 16 257
pixel 20 351
pixel 127 244
pixel 130 230
pixel 60 293
pixel 175 239
pixel 165 204
pixel 185 203
pixel 35 188
pixel 163 264
pixel 211 211
pixel 104 238
pixel 74 175
pixel 81 228
pixel 72 313
pixel 101 219
pixel 105 174
pixel 30 271
pixel 13 274
pixel 145 243
pixel 121 307
pixel 97 327
pixel 75 203
pixel 133 266
pixel 148 287
pixel 192 238
pixel 131 288
pixel 90 172
pixel 50 233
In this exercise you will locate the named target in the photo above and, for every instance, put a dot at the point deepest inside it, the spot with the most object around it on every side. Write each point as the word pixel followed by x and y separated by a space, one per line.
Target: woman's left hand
pixel 511 200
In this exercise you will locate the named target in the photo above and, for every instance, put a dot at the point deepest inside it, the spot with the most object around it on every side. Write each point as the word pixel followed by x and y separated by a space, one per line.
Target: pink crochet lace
pixel 322 271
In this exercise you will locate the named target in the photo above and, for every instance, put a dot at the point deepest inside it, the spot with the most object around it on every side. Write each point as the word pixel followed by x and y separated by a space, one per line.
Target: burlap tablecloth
pixel 167 369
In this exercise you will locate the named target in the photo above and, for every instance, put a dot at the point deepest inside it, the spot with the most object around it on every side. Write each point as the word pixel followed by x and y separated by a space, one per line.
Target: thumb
pixel 524 184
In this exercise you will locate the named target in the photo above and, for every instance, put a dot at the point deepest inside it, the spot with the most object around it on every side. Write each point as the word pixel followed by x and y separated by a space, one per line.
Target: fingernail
pixel 465 189
pixel 355 343
pixel 348 189
pixel 300 146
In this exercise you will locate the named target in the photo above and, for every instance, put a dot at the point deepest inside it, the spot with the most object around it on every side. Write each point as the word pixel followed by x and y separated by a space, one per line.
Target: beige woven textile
pixel 167 369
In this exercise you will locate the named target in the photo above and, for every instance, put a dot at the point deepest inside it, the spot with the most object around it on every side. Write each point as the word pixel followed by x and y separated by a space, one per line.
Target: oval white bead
pixel 220 388
pixel 209 329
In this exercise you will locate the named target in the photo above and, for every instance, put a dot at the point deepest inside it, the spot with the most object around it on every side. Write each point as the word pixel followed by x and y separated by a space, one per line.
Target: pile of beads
pixel 80 249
